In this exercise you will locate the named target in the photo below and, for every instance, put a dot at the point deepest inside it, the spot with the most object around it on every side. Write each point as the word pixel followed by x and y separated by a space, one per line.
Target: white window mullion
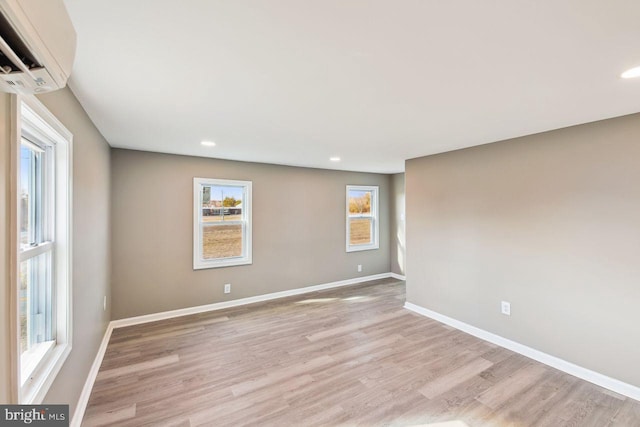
pixel 34 251
pixel 220 223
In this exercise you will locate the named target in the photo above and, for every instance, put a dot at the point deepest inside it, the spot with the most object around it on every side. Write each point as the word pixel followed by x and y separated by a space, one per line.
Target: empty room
pixel 319 213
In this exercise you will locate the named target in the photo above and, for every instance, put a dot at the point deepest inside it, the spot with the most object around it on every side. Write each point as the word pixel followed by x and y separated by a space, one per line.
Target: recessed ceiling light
pixel 208 143
pixel 334 159
pixel 631 73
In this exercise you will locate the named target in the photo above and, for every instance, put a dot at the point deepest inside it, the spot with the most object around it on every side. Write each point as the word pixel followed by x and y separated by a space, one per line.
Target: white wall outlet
pixel 227 288
pixel 104 303
pixel 359 268
pixel 506 308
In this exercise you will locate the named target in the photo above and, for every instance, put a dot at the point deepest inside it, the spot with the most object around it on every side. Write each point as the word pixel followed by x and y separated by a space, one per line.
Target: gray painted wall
pixel 91 247
pixel 398 235
pixel 298 231
pixel 548 222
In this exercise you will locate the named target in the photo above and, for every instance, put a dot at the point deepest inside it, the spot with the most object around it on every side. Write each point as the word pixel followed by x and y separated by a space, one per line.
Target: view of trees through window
pixel 360 221
pixel 222 221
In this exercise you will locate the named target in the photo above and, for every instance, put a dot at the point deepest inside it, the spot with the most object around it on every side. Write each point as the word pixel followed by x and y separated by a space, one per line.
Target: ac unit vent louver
pixel 37 45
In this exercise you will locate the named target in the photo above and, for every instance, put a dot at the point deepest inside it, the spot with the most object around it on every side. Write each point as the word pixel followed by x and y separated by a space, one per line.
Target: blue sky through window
pixel 357 193
pixel 219 192
pixel 25 169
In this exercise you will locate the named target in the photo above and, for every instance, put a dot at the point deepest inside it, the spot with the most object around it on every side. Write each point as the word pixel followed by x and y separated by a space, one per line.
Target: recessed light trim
pixel 631 73
pixel 208 143
pixel 334 159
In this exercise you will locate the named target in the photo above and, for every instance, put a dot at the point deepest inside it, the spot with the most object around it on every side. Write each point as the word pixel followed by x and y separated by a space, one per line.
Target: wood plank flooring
pixel 347 356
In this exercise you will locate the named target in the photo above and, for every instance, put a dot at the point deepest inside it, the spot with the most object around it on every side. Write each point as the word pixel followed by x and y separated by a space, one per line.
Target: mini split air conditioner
pixel 37 46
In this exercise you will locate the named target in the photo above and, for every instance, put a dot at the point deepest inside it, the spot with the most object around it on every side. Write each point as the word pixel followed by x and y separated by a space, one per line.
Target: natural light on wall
pixel 631 73
pixel 400 233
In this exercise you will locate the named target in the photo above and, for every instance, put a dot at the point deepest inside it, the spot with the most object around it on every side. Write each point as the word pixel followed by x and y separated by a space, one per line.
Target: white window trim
pixel 43 124
pixel 374 215
pixel 198 262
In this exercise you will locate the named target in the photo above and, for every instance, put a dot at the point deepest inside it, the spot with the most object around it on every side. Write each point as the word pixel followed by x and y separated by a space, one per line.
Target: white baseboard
pixel 609 383
pixel 83 400
pixel 242 301
pixel 397 276
pixel 76 421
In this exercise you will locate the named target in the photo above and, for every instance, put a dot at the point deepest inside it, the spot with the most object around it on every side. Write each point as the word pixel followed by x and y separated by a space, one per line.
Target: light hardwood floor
pixel 348 356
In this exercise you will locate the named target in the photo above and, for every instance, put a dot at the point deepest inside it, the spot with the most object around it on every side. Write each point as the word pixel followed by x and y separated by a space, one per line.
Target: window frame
pixel 374 215
pixel 199 262
pixel 32 121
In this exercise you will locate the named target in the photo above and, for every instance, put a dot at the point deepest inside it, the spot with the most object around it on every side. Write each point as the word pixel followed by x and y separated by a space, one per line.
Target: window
pixel 222 223
pixel 42 274
pixel 36 249
pixel 362 218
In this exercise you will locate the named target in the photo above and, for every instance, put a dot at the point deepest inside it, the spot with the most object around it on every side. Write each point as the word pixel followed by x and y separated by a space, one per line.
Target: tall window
pixel 362 218
pixel 43 148
pixel 222 223
pixel 36 252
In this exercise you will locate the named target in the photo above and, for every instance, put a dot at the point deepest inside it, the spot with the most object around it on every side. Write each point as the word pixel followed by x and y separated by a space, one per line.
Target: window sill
pixel 36 387
pixel 202 265
pixel 362 248
pixel 30 360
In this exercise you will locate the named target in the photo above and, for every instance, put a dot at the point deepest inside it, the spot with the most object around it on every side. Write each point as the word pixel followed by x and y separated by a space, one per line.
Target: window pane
pixel 31 196
pixel 359 202
pixel 36 317
pixel 360 231
pixel 221 240
pixel 222 203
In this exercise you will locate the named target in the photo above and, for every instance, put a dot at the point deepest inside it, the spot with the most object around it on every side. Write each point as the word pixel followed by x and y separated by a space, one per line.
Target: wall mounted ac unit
pixel 37 46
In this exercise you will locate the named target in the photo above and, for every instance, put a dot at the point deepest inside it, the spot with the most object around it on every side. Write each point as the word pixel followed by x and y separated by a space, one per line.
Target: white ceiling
pixel 372 81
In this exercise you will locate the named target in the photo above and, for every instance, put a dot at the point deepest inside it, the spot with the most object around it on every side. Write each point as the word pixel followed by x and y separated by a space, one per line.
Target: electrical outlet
pixel 104 303
pixel 227 288
pixel 359 268
pixel 506 308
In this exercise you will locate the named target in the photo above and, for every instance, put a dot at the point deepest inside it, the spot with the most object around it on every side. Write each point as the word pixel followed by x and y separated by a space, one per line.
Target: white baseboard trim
pixel 242 301
pixel 83 400
pixel 609 383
